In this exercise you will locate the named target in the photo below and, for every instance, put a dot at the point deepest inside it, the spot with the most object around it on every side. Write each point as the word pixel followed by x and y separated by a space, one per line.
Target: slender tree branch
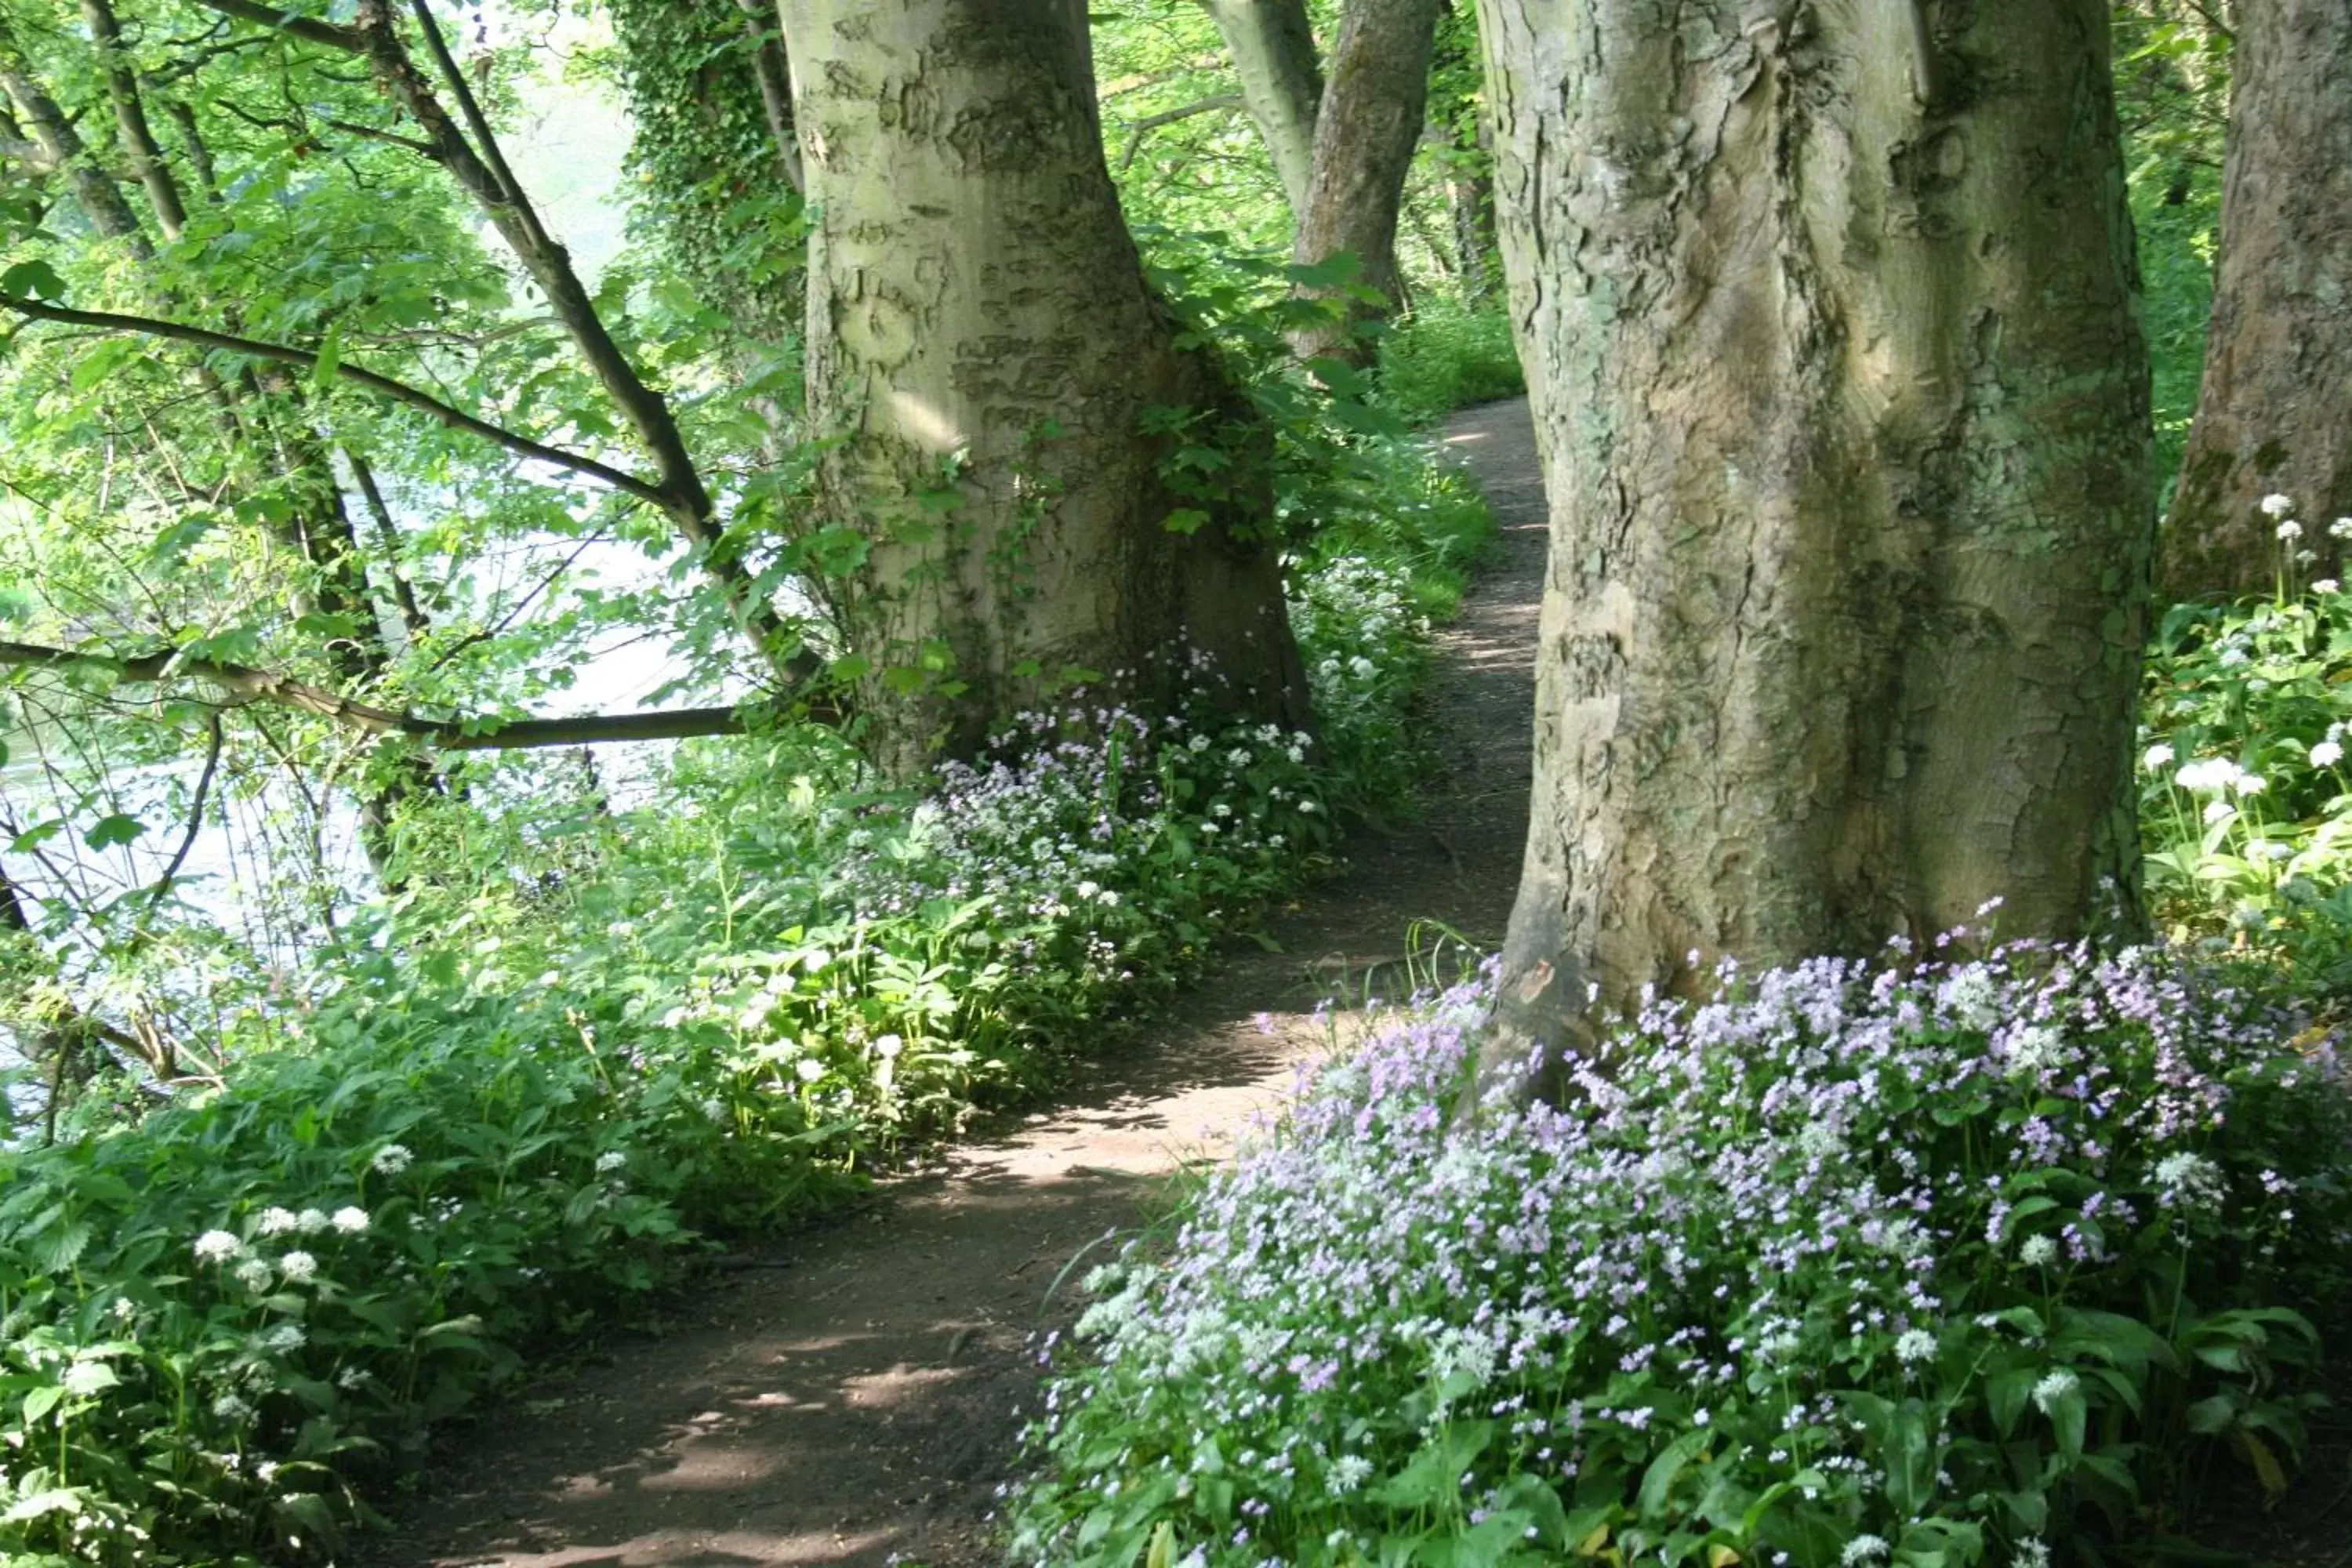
pixel 248 684
pixel 131 118
pixel 195 812
pixel 310 30
pixel 397 390
pixel 1138 131
pixel 771 68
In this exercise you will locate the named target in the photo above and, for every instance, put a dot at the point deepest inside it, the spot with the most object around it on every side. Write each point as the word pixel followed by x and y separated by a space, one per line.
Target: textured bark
pixel 1374 101
pixel 1470 203
pixel 983 346
pixel 1273 48
pixel 2273 415
pixel 1844 418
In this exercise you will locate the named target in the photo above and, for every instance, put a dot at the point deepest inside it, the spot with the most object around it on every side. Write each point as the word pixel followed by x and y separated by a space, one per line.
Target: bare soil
pixel 852 1398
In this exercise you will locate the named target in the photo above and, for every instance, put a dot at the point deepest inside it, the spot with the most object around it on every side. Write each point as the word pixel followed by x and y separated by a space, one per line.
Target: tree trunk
pixel 1273 47
pixel 984 345
pixel 1470 203
pixel 2273 415
pixel 1845 415
pixel 1374 101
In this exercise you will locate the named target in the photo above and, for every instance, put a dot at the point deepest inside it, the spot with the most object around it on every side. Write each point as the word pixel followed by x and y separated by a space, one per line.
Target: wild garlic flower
pixel 255 1274
pixel 2052 1388
pixel 230 1408
pixel 2327 754
pixel 310 1222
pixel 2276 505
pixel 2189 1181
pixel 2157 756
pixel 276 1222
pixel 350 1221
pixel 1915 1346
pixel 2037 1251
pixel 2290 530
pixel 217 1246
pixel 299 1268
pixel 2032 1553
pixel 609 1161
pixel 392 1159
pixel 1863 1548
pixel 2340 529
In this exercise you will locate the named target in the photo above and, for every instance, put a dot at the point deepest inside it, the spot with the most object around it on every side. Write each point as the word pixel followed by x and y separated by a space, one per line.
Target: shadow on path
pixel 855 1404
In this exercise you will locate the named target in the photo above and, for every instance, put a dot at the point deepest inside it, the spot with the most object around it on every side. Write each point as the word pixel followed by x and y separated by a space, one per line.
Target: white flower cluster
pixel 2212 775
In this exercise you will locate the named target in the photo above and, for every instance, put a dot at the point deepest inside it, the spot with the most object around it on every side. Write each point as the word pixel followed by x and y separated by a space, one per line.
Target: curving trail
pixel 853 1402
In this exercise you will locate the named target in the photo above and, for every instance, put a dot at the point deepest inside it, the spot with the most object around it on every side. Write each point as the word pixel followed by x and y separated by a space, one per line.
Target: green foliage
pixel 1937 1262
pixel 2243 787
pixel 1445 356
pixel 2172 92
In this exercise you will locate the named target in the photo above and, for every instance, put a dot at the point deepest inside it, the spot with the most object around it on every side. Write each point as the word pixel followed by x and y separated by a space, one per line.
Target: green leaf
pixel 1185 519
pixel 36 279
pixel 109 831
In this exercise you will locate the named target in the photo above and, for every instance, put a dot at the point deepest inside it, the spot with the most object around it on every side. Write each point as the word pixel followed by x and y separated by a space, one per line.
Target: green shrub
pixel 1938 1262
pixel 1447 355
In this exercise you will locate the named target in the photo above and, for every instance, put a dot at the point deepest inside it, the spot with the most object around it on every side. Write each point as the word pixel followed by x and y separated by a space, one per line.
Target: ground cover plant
pixel 1936 1261
pixel 2243 787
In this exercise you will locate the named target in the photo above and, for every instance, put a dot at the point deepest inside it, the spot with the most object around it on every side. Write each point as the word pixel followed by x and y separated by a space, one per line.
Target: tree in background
pixel 1845 413
pixel 1342 136
pixel 2271 416
pixel 984 354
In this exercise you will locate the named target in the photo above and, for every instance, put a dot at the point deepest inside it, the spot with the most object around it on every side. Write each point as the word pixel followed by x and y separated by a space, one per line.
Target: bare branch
pixel 195 812
pixel 1138 131
pixel 310 30
pixel 248 684
pixel 397 390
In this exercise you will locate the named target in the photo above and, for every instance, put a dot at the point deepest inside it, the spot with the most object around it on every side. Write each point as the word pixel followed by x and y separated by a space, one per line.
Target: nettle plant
pixel 1930 1262
pixel 2244 794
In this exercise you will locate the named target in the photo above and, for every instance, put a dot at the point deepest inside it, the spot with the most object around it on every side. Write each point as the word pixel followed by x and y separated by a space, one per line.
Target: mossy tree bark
pixel 1827 313
pixel 2273 415
pixel 985 352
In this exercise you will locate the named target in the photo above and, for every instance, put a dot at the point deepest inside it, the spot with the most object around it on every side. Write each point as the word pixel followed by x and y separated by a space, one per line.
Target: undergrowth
pixel 1930 1262
pixel 543 1081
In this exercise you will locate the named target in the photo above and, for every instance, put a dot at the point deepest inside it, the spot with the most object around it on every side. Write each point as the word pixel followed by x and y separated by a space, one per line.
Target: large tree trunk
pixel 1273 48
pixel 2273 415
pixel 983 344
pixel 1844 418
pixel 1374 98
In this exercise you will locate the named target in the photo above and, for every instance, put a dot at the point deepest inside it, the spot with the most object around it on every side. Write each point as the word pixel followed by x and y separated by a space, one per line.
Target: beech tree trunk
pixel 983 347
pixel 1273 47
pixel 1375 97
pixel 1844 415
pixel 2275 412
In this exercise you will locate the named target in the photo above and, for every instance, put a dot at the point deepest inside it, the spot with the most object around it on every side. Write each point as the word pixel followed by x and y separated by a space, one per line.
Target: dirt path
pixel 855 1404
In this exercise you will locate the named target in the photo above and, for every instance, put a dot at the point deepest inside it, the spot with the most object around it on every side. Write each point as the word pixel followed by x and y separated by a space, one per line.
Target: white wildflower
pixel 310 1222
pixel 299 1268
pixel 2030 1553
pixel 2290 530
pixel 2325 586
pixel 284 1339
pixel 255 1274
pixel 609 1161
pixel 2036 1050
pixel 1863 1548
pixel 2054 1388
pixel 277 1222
pixel 350 1221
pixel 2037 1251
pixel 229 1407
pixel 1350 1471
pixel 809 1069
pixel 1915 1346
pixel 2157 756
pixel 2327 754
pixel 2276 505
pixel 889 1046
pixel 2340 529
pixel 392 1159
pixel 2186 1180
pixel 217 1246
